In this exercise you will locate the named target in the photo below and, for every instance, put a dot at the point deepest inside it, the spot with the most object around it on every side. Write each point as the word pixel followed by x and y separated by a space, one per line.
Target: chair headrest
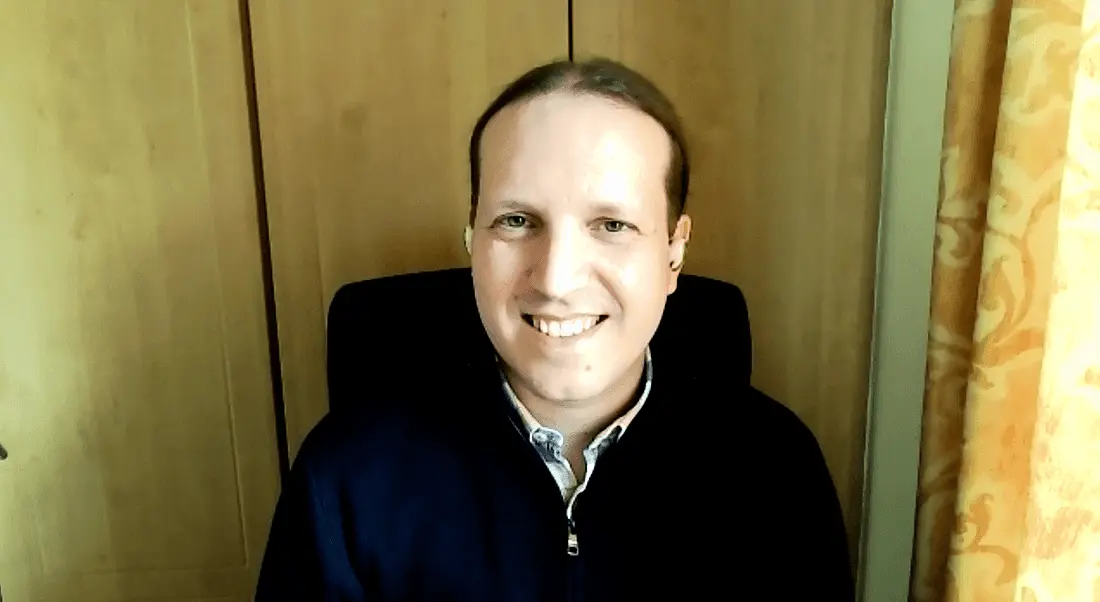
pixel 388 331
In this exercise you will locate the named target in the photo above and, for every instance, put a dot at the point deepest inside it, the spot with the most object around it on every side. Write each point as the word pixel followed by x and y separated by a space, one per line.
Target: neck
pixel 580 420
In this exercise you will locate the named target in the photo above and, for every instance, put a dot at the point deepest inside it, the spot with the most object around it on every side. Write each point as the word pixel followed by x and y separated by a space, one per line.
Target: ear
pixel 468 238
pixel 677 250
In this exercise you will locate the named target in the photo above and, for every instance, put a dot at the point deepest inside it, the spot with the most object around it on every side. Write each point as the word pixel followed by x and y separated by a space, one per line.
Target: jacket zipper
pixel 573 549
pixel 572 563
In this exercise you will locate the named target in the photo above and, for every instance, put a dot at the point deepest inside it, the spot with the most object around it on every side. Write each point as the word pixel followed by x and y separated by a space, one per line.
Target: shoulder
pixel 772 417
pixel 338 437
pixel 800 499
pixel 365 443
pixel 761 427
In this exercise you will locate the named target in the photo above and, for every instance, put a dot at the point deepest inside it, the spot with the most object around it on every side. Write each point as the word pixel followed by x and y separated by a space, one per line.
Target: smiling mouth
pixel 560 329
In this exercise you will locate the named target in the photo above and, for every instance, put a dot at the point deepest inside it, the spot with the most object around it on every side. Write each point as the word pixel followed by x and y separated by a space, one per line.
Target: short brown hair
pixel 605 78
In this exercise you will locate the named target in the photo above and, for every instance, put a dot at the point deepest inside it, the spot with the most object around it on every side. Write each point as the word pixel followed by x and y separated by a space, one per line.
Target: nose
pixel 561 264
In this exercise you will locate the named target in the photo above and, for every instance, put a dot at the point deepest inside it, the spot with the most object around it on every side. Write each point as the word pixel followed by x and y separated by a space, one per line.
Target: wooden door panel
pixel 365 110
pixel 135 388
pixel 783 101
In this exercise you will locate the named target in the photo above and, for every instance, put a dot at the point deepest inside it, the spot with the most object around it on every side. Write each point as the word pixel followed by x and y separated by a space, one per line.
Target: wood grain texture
pixel 783 101
pixel 135 389
pixel 365 111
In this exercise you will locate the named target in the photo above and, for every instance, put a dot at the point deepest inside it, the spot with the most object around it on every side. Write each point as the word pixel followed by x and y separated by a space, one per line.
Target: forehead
pixel 576 146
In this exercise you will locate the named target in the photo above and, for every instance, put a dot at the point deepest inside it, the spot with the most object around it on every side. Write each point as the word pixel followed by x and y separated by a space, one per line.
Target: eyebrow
pixel 516 205
pixel 608 209
pixel 600 208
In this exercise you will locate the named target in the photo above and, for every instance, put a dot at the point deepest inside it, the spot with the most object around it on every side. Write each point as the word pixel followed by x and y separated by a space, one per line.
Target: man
pixel 563 466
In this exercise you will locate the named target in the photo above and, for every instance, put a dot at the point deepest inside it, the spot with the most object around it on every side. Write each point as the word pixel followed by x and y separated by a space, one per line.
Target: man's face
pixel 571 253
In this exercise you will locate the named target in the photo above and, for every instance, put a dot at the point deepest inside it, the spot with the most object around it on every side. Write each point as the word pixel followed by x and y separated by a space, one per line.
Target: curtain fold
pixel 1009 490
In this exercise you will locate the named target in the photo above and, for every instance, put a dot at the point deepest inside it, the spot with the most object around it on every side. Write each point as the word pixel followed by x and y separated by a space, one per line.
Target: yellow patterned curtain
pixel 1009 501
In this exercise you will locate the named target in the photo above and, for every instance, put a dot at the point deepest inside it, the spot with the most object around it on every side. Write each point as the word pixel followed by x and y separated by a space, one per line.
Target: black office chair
pixel 391 331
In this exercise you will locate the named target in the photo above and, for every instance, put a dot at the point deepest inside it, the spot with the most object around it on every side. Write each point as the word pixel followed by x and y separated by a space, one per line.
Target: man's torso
pixel 451 502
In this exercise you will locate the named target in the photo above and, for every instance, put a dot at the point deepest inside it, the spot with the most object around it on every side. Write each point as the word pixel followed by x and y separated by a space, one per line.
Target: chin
pixel 560 383
pixel 568 392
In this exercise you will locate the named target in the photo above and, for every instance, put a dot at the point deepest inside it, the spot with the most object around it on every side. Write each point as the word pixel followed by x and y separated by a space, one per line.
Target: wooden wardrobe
pixel 185 183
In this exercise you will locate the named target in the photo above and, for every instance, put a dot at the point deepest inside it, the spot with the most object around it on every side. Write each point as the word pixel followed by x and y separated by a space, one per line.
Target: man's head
pixel 579 178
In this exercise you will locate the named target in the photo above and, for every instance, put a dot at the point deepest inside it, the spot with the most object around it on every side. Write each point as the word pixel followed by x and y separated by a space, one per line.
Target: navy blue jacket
pixel 439 497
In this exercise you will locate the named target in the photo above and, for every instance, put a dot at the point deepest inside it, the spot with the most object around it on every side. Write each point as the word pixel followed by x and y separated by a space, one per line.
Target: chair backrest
pixel 387 332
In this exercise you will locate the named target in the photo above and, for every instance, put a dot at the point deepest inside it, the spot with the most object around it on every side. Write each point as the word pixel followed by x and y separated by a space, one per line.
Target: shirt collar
pixel 611 432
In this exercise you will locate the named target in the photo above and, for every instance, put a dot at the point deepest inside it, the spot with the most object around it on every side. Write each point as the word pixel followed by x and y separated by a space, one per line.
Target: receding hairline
pixel 605 79
pixel 513 110
pixel 618 104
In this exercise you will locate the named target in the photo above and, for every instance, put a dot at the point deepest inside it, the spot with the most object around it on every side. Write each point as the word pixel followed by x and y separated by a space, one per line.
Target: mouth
pixel 558 328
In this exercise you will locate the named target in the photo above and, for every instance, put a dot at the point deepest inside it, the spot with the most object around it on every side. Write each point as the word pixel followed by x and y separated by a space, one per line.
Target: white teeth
pixel 567 328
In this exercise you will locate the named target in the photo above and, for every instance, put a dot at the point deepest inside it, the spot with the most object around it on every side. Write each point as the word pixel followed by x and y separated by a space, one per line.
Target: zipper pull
pixel 573 549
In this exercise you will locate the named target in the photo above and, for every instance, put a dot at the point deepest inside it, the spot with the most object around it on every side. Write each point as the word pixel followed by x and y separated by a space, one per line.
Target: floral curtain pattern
pixel 1009 491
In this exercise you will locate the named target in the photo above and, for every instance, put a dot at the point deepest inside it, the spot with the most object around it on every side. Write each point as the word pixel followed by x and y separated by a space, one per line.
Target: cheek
pixel 640 283
pixel 506 258
pixel 502 257
pixel 497 267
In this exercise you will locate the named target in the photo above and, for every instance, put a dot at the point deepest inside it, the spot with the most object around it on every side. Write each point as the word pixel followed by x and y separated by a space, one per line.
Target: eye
pixel 513 221
pixel 614 226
